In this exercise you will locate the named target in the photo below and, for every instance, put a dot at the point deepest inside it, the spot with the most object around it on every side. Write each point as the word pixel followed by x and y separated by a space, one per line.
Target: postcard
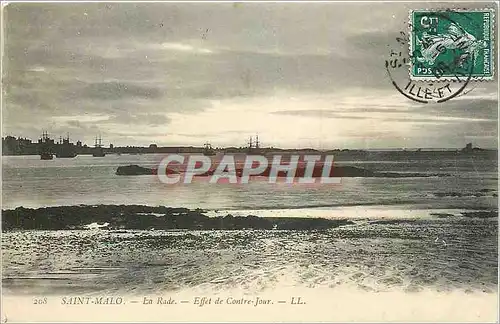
pixel 249 162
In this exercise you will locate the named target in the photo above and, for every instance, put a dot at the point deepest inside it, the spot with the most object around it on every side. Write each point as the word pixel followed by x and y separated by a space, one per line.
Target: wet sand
pixel 442 254
pixel 441 267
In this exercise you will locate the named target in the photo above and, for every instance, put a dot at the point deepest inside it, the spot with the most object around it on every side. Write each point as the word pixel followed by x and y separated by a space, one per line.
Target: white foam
pixel 151 214
pixel 96 226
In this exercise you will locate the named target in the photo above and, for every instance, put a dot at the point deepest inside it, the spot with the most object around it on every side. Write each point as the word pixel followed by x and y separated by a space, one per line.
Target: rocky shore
pixel 146 217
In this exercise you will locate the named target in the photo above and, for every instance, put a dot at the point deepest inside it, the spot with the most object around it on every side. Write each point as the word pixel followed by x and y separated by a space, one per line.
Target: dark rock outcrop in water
pixel 335 172
pixel 138 170
pixel 468 193
pixel 408 175
pixel 146 217
pixel 135 170
pixel 481 214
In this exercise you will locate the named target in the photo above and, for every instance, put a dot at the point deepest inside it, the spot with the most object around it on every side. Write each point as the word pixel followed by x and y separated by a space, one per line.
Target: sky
pixel 296 74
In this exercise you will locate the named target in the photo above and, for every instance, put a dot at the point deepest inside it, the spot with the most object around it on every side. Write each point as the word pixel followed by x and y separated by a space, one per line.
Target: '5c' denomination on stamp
pixel 451 44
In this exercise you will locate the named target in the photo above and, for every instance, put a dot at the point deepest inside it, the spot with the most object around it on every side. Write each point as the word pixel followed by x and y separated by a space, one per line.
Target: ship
pixel 46 156
pixel 66 149
pixel 208 150
pixel 98 149
pixel 45 144
pixel 253 147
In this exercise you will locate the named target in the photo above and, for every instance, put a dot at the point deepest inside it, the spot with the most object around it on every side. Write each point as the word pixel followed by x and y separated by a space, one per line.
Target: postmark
pixel 422 75
pixel 451 44
pixel 439 89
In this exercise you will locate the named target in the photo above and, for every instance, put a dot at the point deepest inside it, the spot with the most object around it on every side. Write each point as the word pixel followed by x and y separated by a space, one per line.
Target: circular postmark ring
pixel 437 89
pixel 427 91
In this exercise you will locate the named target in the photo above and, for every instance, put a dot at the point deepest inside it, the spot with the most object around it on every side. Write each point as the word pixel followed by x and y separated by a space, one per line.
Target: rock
pixel 138 170
pixel 481 214
pixel 138 217
pixel 134 170
pixel 442 215
pixel 335 172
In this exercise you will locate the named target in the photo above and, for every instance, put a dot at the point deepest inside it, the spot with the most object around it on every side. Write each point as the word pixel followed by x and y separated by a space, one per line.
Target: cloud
pixel 299 74
pixel 114 90
pixel 139 119
pixel 464 107
pixel 185 48
pixel 433 113
pixel 317 114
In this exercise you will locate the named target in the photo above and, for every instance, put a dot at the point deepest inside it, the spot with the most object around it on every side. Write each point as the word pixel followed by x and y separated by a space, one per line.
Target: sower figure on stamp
pixel 456 38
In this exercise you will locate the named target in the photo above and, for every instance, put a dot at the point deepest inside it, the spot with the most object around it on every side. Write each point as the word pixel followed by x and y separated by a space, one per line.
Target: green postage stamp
pixel 452 44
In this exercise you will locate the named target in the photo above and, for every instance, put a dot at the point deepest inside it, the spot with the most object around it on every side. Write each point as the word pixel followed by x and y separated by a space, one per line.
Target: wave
pixel 385 202
pixel 470 194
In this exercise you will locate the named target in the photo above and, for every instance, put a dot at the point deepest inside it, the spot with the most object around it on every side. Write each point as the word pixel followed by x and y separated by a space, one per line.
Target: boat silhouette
pixel 208 150
pixel 66 149
pixel 46 147
pixel 98 149
pixel 253 147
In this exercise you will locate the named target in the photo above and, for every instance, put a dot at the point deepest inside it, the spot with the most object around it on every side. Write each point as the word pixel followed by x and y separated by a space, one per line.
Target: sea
pixel 32 183
pixel 408 234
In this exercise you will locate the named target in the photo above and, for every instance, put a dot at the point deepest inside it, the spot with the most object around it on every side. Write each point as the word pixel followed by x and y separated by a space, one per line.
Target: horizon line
pixel 268 147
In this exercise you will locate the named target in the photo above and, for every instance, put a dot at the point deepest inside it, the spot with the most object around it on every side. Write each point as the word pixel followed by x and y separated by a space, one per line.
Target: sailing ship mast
pixel 208 149
pixel 46 150
pixel 98 142
pixel 66 149
pixel 98 150
pixel 254 146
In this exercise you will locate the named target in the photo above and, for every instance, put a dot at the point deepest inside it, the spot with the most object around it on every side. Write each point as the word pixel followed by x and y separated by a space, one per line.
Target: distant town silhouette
pixel 65 148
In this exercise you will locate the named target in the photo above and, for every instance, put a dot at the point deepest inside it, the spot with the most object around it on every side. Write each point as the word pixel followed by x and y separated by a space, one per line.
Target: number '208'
pixel 40 301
